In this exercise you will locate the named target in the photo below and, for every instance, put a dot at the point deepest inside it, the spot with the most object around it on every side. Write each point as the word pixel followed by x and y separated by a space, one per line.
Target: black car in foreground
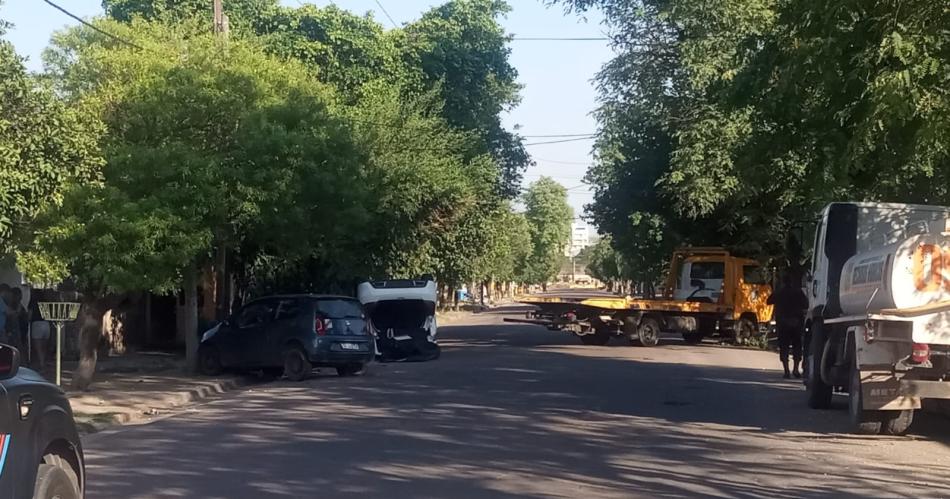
pixel 40 453
pixel 291 334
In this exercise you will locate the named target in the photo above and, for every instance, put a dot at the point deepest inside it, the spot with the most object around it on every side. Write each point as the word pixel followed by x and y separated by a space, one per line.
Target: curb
pixel 93 423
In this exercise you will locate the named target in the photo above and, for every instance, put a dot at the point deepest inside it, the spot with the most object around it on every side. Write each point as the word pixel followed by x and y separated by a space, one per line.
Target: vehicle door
pixel 248 332
pixel 289 322
pixel 6 427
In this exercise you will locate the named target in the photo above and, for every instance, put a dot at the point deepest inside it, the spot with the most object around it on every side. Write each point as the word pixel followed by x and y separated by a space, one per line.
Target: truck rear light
pixel 921 353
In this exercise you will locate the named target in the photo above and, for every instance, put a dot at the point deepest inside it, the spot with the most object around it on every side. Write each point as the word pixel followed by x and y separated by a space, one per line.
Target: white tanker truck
pixel 878 324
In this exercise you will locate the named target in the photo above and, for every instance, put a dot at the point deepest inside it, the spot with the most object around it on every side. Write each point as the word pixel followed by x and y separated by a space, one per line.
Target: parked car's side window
pixel 255 314
pixel 288 309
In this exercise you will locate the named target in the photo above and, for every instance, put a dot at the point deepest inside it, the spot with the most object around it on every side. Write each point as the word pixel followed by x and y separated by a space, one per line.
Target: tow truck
pixel 708 292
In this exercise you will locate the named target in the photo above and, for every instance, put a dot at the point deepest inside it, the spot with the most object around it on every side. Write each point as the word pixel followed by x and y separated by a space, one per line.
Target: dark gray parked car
pixel 40 453
pixel 291 334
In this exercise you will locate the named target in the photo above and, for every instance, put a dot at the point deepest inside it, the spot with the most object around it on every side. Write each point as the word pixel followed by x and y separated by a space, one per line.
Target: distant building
pixel 580 239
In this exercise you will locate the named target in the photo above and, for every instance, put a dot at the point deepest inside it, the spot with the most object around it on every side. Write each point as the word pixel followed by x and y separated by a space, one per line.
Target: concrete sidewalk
pixel 140 387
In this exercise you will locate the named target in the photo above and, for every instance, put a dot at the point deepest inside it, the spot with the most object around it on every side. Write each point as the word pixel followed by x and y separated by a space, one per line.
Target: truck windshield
pixel 707 270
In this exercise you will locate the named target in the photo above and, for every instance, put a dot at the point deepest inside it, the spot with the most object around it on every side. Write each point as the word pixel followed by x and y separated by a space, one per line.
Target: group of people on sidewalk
pixel 22 325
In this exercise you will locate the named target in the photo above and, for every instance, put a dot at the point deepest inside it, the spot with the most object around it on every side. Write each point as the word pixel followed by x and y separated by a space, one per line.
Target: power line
pixel 380 4
pixel 84 23
pixel 559 135
pixel 555 161
pixel 557 39
pixel 560 141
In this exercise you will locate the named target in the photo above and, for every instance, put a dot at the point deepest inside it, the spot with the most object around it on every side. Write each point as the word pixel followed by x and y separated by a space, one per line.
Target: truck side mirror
pixel 698 283
pixel 9 361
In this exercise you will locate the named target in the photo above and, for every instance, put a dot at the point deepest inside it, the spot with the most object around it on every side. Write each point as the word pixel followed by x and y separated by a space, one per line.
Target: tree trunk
pixel 221 278
pixel 190 320
pixel 90 331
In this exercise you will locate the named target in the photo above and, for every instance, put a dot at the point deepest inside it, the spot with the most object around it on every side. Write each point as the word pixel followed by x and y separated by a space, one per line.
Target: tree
pixel 766 114
pixel 45 146
pixel 462 51
pixel 224 147
pixel 549 218
pixel 242 14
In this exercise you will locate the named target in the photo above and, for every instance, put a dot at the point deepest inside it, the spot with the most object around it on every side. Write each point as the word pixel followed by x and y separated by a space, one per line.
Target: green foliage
pixel 241 13
pixel 315 146
pixel 729 122
pixel 549 220
pixel 347 50
pixel 603 262
pixel 45 145
pixel 461 50
pixel 226 146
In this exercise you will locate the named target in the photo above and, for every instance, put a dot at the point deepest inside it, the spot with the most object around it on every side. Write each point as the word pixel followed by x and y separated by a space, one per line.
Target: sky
pixel 557 98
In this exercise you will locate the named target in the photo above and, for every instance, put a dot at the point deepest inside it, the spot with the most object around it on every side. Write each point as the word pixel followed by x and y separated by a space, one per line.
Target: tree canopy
pixel 45 146
pixel 731 122
pixel 549 219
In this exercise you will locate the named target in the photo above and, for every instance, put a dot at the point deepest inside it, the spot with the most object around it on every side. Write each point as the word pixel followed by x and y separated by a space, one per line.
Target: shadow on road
pixel 533 421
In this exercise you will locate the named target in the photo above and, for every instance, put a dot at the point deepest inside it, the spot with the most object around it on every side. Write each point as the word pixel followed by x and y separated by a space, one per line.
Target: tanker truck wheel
pixel 897 422
pixel 864 422
pixel 819 394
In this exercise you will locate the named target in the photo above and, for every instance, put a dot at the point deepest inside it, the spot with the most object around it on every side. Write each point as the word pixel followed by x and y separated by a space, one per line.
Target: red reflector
pixel 921 353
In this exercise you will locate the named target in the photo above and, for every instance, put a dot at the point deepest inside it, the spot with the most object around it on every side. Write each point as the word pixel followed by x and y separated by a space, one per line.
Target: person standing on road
pixel 790 304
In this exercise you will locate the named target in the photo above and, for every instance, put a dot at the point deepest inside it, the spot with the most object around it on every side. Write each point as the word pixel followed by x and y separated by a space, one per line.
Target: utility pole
pixel 220 19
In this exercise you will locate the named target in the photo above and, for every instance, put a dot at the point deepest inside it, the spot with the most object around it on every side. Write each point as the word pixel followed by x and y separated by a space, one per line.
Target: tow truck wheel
pixel 897 422
pixel 744 331
pixel 648 332
pixel 864 422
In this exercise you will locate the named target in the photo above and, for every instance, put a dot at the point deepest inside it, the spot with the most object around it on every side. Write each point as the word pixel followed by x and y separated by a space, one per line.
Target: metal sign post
pixel 59 313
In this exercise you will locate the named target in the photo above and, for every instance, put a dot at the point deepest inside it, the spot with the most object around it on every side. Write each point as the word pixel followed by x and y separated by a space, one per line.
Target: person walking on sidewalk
pixel 39 329
pixel 6 314
pixel 21 326
pixel 790 304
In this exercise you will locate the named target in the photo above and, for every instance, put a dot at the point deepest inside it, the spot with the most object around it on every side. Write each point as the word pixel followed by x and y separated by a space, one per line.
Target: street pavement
pixel 518 411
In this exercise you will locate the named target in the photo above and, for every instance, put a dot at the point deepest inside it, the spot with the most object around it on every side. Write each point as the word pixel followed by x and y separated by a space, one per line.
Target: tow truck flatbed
pixel 632 304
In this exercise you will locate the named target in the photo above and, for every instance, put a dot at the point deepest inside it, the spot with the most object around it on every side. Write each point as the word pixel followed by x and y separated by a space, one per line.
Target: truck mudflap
pixel 883 391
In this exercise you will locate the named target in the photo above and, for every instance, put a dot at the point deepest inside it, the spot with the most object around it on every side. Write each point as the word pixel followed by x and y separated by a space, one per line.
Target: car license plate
pixel 349 346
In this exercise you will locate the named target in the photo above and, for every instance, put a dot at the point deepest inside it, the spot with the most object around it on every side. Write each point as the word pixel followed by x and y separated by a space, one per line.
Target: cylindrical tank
pixel 907 274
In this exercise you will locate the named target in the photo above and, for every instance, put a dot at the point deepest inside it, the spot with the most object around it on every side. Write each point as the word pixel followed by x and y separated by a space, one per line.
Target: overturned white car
pixel 401 313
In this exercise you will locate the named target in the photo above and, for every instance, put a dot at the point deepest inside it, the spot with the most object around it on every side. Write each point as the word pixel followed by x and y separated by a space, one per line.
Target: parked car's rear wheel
pixel 53 482
pixel 209 360
pixel 297 366
pixel 351 369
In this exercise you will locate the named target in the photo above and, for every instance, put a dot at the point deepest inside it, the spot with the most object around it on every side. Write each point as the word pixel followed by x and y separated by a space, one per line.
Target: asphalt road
pixel 518 411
